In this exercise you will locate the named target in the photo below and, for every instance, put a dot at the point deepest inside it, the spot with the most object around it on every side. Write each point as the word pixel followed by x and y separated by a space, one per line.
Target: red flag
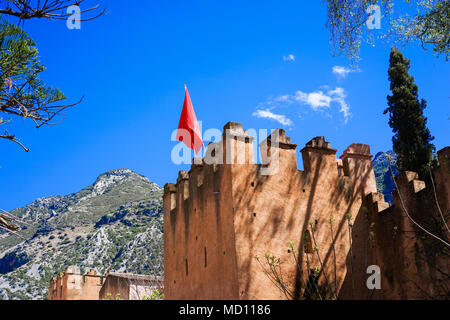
pixel 188 129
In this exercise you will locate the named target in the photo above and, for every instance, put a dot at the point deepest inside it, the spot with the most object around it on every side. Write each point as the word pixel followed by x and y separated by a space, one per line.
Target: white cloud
pixel 267 114
pixel 289 57
pixel 315 100
pixel 318 100
pixel 343 71
pixel 339 96
pixel 284 98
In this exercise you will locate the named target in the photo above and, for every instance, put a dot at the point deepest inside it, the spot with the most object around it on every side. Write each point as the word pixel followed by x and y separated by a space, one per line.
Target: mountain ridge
pixel 383 175
pixel 113 224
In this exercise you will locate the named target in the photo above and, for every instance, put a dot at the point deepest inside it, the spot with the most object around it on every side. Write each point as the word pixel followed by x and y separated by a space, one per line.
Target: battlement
pixel 399 245
pixel 412 189
pixel 319 143
pixel 277 153
pixel 227 208
pixel 357 150
pixel 72 285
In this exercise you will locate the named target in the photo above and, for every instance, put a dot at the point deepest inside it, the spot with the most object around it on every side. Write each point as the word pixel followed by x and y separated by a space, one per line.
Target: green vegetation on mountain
pixel 383 176
pixel 114 224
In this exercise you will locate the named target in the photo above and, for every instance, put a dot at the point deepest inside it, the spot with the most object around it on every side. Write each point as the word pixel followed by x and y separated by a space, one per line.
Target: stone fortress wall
pixel 228 210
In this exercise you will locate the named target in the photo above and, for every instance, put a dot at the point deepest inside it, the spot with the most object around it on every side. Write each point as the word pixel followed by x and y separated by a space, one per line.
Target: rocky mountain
pixel 114 224
pixel 383 175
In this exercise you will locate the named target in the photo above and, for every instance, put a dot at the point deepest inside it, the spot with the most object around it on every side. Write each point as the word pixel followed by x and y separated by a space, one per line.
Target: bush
pixel 156 295
pixel 109 296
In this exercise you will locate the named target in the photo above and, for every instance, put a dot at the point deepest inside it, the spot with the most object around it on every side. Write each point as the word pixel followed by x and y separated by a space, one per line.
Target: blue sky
pixel 241 60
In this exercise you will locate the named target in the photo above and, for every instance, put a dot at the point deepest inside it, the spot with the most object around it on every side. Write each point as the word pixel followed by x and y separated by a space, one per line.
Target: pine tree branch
pixel 29 9
pixel 13 138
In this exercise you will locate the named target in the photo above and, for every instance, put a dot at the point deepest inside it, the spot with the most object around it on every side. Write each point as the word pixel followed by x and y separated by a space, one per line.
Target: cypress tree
pixel 412 139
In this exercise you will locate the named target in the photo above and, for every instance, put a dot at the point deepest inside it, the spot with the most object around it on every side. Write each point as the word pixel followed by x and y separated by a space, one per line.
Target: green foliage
pixel 292 247
pixel 412 139
pixel 383 176
pixel 372 232
pixel 309 287
pixel 430 26
pixel 272 268
pixel 423 21
pixel 109 296
pixel 156 295
pixel 313 225
pixel 346 24
pixel 22 93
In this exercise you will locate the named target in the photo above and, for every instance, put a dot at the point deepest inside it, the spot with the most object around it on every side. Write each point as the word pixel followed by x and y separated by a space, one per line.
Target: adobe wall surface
pixel 199 254
pixel 71 285
pixel 218 217
pixel 279 208
pixel 114 286
pixel 134 287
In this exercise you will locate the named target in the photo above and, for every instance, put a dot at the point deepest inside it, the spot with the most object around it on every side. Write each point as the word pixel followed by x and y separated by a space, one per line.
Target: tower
pixel 227 212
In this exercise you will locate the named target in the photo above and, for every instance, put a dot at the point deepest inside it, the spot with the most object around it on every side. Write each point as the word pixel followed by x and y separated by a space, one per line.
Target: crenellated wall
pixel 414 265
pixel 227 209
pixel 71 285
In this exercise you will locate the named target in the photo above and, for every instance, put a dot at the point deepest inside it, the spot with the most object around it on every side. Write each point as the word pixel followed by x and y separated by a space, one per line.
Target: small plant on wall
pixel 156 295
pixel 109 296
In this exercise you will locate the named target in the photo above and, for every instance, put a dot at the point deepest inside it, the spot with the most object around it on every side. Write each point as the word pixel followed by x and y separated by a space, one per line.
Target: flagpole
pixel 204 149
